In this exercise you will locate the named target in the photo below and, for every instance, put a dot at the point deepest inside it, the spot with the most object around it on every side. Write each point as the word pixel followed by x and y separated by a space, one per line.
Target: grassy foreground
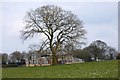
pixel 104 69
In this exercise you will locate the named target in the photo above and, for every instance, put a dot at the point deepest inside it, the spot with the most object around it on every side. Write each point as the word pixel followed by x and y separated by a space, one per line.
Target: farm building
pixel 45 60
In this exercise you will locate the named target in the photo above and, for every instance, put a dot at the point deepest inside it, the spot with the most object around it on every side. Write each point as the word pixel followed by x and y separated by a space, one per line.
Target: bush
pixel 118 56
pixel 9 65
pixel 13 64
pixel 3 63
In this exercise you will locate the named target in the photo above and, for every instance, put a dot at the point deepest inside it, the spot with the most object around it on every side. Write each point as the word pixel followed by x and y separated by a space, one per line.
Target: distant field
pixel 104 69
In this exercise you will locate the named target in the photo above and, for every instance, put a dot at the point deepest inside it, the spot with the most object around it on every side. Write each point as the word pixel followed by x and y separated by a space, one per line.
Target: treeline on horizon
pixel 97 50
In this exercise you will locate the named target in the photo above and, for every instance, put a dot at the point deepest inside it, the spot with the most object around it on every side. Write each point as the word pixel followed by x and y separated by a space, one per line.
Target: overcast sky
pixel 100 21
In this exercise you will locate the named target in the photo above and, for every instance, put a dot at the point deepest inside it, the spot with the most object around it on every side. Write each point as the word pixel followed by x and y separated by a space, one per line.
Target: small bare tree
pixel 59 26
pixel 112 52
pixel 16 56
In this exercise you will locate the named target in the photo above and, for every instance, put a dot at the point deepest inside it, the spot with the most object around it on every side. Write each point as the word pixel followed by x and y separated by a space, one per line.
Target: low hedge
pixel 9 65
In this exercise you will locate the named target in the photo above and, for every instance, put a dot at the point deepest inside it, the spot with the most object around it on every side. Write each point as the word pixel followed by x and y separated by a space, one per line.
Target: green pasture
pixel 103 69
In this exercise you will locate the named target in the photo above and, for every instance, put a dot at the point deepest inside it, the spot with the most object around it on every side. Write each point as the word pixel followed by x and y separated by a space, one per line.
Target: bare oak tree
pixel 98 48
pixel 59 26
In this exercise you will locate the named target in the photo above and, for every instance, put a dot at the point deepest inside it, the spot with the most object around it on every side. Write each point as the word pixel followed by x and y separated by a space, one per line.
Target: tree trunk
pixel 54 51
pixel 95 58
pixel 111 56
pixel 54 58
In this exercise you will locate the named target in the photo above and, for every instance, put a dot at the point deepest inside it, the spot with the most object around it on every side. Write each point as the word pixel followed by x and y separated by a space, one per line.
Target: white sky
pixel 100 20
pixel 59 0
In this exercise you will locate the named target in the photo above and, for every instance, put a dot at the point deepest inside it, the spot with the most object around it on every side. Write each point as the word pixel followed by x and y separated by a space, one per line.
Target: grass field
pixel 103 69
